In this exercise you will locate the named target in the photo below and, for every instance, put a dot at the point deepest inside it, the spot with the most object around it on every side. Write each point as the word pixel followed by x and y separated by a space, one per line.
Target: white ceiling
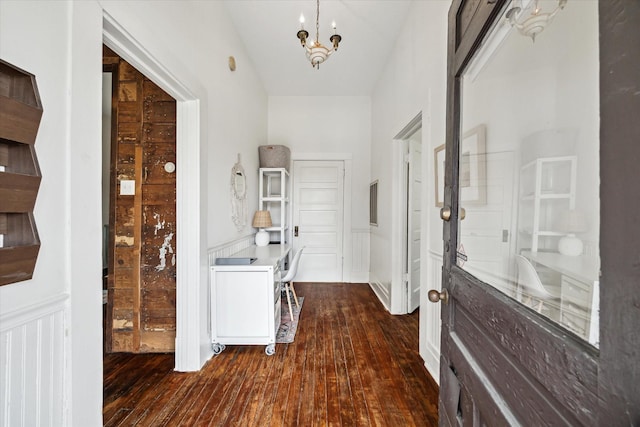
pixel 368 28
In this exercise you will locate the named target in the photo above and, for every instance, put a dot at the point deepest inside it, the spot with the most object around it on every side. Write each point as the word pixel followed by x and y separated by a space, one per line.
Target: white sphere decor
pixel 570 245
pixel 262 238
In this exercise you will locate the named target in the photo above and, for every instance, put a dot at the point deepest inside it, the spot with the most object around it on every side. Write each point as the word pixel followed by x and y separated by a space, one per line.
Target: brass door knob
pixel 445 213
pixel 437 296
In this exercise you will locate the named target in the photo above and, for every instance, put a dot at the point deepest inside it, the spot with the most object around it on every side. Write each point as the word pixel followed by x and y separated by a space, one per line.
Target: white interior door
pixel 414 212
pixel 318 211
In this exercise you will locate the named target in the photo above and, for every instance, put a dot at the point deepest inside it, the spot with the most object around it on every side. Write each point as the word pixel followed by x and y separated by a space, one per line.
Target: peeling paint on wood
pixel 164 249
pixel 122 324
pixel 124 240
pixel 160 225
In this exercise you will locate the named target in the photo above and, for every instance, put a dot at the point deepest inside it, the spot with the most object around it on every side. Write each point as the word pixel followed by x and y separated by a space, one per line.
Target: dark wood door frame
pixel 582 385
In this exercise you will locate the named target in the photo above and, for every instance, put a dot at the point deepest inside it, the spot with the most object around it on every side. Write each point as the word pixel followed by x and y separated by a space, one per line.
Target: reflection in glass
pixel 529 165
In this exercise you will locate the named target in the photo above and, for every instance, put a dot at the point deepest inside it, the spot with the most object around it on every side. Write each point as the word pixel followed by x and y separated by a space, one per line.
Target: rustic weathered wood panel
pixel 123 297
pixel 122 341
pixel 158 252
pixel 142 279
pixel 123 278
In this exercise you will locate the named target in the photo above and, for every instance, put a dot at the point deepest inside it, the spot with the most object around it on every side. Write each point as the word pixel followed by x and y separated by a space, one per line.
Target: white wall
pixel 328 125
pixel 414 81
pixel 61 43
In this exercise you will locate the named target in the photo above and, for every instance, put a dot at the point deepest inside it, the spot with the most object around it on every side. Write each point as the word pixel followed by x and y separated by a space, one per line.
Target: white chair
pixel 287 280
pixel 532 286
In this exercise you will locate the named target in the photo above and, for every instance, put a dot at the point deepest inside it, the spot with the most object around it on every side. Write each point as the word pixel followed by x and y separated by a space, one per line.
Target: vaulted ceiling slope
pixel 368 28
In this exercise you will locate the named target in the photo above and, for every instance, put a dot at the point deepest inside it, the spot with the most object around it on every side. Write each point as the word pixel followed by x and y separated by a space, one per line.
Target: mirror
pixel 239 184
pixel 238 195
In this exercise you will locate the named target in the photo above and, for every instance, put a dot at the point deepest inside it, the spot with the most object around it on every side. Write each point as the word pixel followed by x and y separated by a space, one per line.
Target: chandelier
pixel 536 21
pixel 316 52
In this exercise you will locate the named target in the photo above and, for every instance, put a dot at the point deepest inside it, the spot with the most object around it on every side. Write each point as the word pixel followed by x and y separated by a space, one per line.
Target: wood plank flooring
pixel 352 364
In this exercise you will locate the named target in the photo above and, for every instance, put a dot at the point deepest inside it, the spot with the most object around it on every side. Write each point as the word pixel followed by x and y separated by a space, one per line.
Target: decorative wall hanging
pixel 238 196
pixel 20 114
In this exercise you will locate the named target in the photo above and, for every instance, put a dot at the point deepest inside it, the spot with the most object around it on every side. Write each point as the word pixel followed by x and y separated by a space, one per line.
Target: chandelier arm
pixel 318 21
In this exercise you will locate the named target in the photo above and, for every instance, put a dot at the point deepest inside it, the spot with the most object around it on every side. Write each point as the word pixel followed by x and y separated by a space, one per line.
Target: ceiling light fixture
pixel 316 52
pixel 536 21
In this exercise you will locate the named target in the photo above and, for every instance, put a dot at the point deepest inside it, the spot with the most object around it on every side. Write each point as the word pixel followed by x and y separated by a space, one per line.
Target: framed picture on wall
pixel 473 166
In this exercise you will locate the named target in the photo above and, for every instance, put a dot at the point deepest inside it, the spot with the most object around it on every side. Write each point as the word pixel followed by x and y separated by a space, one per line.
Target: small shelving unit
pixel 20 114
pixel 547 189
pixel 274 197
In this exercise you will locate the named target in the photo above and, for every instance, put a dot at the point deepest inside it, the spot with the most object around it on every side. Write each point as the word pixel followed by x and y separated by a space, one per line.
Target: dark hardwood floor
pixel 352 364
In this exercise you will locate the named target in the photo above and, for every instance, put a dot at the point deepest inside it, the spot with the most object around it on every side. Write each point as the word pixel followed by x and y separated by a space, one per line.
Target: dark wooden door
pixel 505 360
pixel 141 308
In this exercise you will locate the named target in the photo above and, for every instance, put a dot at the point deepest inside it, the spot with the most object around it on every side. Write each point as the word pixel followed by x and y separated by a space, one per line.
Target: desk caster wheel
pixel 217 348
pixel 270 350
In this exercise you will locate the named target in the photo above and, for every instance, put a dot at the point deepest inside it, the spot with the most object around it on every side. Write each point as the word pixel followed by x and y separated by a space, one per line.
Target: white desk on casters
pixel 578 293
pixel 245 299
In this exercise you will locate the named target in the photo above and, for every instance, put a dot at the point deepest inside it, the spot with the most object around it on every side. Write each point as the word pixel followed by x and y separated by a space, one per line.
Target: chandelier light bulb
pixel 333 25
pixel 301 21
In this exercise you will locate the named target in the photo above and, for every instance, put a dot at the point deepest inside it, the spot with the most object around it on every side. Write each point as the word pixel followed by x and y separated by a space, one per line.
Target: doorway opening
pixel 139 210
pixel 405 296
pixel 191 313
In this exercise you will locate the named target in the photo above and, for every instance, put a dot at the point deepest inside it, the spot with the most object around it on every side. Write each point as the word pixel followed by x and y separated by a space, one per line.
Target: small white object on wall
pixel 238 195
pixel 127 187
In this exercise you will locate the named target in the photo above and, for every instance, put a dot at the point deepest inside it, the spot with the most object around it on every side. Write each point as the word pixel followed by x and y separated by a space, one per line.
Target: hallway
pixel 352 363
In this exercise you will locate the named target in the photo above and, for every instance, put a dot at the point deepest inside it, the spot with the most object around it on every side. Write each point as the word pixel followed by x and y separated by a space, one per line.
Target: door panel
pixel 502 362
pixel 318 188
pixel 414 224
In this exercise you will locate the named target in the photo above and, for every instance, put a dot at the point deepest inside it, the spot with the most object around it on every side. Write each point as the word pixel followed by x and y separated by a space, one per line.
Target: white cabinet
pixel 274 197
pixel 547 193
pixel 245 299
pixel 576 305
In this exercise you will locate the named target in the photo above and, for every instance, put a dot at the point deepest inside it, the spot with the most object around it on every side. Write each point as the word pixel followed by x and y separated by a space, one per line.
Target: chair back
pixel 293 268
pixel 529 279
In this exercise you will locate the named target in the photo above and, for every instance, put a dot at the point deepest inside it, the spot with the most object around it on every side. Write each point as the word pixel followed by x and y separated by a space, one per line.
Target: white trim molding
pixel 381 291
pixel 191 274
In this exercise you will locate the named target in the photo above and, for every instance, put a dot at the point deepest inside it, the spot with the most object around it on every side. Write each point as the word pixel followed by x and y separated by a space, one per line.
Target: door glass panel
pixel 529 162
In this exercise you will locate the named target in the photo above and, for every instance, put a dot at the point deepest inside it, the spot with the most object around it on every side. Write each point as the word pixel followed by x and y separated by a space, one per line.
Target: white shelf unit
pixel 274 197
pixel 547 190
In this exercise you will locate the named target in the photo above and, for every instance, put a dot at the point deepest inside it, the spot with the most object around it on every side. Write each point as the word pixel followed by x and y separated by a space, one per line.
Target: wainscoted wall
pixel 226 249
pixel 430 317
pixel 32 365
pixel 360 255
